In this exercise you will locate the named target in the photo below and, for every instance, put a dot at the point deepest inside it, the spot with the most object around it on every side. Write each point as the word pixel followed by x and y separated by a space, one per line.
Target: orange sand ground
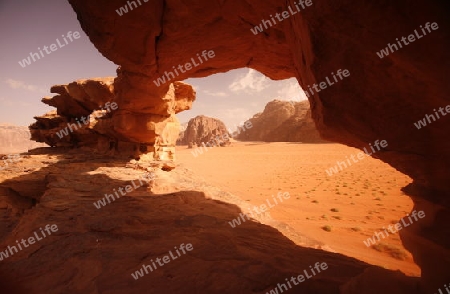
pixel 367 194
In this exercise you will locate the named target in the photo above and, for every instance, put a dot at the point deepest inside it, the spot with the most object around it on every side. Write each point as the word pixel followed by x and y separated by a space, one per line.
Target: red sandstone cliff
pixel 283 121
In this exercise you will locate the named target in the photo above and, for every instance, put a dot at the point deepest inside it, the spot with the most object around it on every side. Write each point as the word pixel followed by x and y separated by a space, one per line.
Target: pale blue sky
pixel 26 25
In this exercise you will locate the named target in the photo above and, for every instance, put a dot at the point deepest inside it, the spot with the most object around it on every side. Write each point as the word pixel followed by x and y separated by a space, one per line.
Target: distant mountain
pixel 283 121
pixel 16 139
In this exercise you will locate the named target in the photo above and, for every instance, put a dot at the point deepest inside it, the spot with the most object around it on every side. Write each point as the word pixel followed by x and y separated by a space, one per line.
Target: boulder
pixel 203 129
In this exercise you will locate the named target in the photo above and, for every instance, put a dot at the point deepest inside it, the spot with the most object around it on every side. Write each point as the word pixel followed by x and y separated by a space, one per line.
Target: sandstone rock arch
pixel 380 100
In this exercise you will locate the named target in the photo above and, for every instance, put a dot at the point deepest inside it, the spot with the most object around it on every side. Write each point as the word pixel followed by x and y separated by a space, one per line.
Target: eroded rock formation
pixel 283 121
pixel 381 99
pixel 287 50
pixel 203 129
pixel 83 118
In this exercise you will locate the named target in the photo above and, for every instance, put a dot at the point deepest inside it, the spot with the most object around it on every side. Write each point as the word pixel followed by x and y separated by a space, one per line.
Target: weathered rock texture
pixel 16 139
pixel 95 98
pixel 283 121
pixel 203 129
pixel 380 100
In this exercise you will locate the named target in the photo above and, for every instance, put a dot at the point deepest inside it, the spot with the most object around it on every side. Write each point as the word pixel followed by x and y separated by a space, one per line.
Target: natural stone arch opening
pixel 307 46
pixel 207 162
pixel 235 96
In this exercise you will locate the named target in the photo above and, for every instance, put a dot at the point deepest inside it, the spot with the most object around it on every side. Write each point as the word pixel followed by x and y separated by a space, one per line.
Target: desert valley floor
pixel 97 248
pixel 355 203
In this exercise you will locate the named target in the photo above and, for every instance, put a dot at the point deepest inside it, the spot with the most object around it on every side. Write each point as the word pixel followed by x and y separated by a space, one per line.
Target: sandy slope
pixel 367 195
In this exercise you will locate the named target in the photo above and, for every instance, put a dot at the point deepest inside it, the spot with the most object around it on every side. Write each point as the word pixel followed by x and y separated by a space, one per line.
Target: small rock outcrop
pixel 83 118
pixel 16 139
pixel 283 121
pixel 203 129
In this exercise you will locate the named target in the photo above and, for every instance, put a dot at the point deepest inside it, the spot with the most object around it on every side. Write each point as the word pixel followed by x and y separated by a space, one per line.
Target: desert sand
pixel 355 203
pixel 97 249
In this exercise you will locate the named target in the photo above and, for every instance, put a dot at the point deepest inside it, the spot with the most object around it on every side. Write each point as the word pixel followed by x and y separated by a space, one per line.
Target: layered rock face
pixel 83 118
pixel 16 139
pixel 381 99
pixel 203 129
pixel 283 121
pixel 74 122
